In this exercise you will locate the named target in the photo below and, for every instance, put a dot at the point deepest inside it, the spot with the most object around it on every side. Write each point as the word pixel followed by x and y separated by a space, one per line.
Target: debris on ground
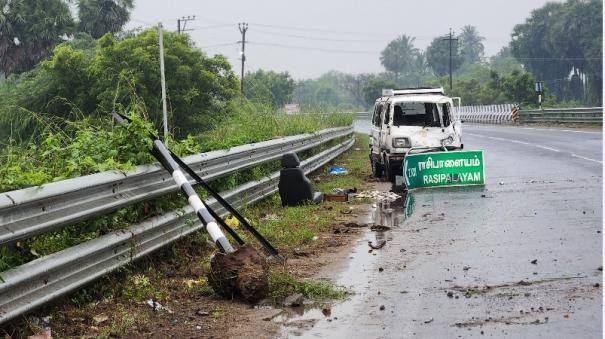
pixel 428 321
pixel 335 170
pixel 354 225
pixel 293 300
pixel 157 306
pixel 380 244
pixel 242 273
pixel 377 195
pixel 301 253
pixel 202 313
pixel 269 217
pixel 43 334
pixel 333 243
pixel 336 197
pixel 380 228
pixel 100 318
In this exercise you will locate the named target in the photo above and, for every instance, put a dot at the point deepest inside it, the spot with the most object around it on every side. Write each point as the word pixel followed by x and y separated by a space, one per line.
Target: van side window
pixel 387 113
pixel 446 115
pixel 377 118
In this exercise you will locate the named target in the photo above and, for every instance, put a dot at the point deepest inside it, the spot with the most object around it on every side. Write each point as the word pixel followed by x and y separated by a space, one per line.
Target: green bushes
pixel 94 80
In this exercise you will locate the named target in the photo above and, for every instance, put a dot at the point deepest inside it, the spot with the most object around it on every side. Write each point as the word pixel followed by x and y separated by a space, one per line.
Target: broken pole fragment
pixel 163 155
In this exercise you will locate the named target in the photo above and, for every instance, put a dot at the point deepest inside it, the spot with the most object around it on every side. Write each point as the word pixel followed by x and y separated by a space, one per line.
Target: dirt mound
pixel 241 274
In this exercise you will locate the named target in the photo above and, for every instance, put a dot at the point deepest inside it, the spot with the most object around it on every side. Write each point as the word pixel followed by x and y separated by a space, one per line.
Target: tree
pixel 373 90
pixel 471 45
pixel 94 81
pixel 504 62
pixel 326 96
pixel 559 39
pixel 399 56
pixel 438 56
pixel 98 17
pixel 29 30
pixel 269 87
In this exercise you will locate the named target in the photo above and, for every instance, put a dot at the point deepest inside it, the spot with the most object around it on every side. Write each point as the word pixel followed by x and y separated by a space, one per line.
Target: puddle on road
pixel 321 320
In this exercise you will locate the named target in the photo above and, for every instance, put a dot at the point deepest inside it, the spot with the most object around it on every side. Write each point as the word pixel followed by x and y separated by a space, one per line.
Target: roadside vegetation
pixel 175 276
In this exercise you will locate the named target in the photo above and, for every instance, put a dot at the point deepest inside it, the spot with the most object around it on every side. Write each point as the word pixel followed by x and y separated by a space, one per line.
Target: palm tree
pixel 98 17
pixel 29 29
pixel 471 45
pixel 399 56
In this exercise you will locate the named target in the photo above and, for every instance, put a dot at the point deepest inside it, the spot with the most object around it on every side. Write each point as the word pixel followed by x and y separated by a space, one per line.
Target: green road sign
pixel 458 168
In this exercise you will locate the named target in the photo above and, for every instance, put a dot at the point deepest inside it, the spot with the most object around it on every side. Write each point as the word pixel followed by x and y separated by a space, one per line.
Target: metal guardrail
pixel 503 114
pixel 31 211
pixel 572 115
pixel 37 282
pixel 486 114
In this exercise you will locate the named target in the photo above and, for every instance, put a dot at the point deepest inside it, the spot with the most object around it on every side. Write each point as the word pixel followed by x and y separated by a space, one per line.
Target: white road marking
pixel 562 130
pixel 585 158
pixel 536 128
pixel 534 145
pixel 516 142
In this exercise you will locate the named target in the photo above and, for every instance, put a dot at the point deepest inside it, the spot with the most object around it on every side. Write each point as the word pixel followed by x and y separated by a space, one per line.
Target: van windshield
pixel 423 114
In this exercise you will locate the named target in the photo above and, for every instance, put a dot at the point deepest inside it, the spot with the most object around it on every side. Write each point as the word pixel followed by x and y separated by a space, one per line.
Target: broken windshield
pixel 416 114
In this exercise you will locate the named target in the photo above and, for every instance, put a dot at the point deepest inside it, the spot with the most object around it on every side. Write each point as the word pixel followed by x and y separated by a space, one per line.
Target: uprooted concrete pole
pixel 234 273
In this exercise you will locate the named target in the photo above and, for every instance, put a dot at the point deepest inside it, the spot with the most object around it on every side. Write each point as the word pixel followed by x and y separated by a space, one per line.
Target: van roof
pixel 432 98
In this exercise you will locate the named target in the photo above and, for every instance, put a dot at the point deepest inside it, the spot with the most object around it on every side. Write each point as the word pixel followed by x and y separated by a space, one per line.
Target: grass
pixel 90 146
pixel 177 272
pixel 283 283
pixel 291 227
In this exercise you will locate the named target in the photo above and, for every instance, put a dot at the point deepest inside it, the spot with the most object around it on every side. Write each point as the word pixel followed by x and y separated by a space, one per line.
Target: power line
pixel 219 45
pixel 212 27
pixel 312 48
pixel 260 31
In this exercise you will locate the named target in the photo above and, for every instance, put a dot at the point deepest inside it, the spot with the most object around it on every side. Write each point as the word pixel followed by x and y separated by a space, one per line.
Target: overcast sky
pixel 310 37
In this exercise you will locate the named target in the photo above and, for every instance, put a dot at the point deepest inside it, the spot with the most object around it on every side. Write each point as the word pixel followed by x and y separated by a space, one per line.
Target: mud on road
pixel 469 262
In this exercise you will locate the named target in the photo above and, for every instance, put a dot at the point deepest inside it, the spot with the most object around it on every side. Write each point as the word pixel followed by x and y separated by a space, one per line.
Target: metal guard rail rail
pixel 36 210
pixel 574 115
pixel 32 284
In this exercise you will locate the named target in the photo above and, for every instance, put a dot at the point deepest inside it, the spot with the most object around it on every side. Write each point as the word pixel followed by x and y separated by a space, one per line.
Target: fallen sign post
pixel 436 169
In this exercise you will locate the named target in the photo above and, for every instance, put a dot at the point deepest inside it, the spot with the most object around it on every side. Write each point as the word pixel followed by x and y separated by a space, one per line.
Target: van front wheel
pixel 376 169
pixel 391 172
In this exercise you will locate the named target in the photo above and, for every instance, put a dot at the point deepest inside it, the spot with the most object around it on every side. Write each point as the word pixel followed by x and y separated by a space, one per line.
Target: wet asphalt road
pixel 542 201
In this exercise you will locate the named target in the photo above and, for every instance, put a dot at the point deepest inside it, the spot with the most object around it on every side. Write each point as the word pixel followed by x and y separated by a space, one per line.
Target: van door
pixel 385 127
pixel 375 131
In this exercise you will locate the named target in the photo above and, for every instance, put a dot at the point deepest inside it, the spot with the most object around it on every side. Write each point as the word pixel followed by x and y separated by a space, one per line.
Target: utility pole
pixel 243 27
pixel 163 81
pixel 184 21
pixel 450 39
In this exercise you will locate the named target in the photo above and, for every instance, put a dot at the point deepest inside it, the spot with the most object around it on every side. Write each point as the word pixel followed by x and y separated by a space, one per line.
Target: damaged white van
pixel 421 119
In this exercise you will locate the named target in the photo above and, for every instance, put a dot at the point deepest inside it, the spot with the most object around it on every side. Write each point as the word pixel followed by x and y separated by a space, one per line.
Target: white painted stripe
pixel 196 203
pixel 214 231
pixel 516 142
pixel 561 130
pixel 547 148
pixel 179 177
pixel 585 158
